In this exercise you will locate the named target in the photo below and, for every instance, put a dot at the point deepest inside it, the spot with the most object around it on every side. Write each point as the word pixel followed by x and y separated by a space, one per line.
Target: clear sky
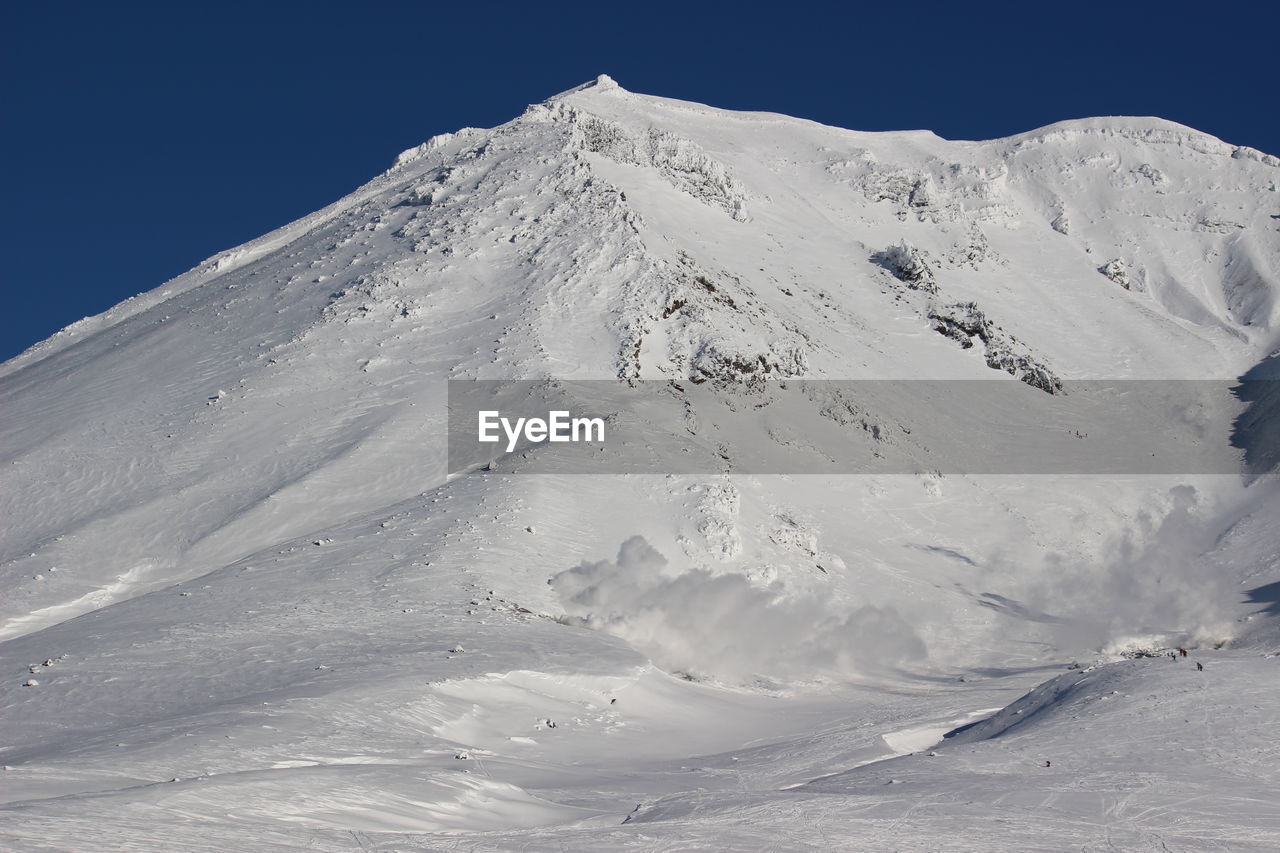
pixel 138 139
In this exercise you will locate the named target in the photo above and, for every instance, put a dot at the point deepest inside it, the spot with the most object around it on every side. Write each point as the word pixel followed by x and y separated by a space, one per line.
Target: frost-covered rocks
pixel 1116 270
pixel 965 324
pixel 909 265
pixel 714 361
pixel 680 161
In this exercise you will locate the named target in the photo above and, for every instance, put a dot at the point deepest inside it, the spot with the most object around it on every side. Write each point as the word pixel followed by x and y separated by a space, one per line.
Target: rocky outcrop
pixel 681 162
pixel 908 265
pixel 964 323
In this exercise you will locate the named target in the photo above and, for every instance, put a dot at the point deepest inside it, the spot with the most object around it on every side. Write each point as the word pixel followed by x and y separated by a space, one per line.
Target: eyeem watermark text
pixel 558 426
pixel 958 426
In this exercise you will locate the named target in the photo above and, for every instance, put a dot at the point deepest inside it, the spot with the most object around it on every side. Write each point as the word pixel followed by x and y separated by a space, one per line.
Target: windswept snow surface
pixel 257 613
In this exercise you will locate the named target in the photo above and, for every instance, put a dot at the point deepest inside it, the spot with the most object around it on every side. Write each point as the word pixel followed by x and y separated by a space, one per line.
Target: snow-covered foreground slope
pixel 272 620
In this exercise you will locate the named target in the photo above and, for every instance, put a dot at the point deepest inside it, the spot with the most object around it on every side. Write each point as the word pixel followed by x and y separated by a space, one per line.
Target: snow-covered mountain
pixel 255 609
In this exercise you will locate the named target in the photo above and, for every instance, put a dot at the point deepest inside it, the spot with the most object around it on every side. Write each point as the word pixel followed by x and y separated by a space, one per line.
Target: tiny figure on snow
pixel 1182 652
pixel 1199 667
pixel 1047 762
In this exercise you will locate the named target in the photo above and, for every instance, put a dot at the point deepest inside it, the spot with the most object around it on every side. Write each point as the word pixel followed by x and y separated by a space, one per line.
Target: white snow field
pixel 247 607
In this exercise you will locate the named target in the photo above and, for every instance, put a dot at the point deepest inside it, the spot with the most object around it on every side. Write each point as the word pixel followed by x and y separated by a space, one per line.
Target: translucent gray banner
pixel 851 427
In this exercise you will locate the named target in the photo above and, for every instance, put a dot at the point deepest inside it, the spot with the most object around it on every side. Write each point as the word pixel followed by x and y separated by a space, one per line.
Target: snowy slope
pixel 273 620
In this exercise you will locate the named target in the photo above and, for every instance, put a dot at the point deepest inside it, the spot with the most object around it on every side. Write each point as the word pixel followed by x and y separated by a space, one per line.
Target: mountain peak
pixel 603 83
pixel 249 468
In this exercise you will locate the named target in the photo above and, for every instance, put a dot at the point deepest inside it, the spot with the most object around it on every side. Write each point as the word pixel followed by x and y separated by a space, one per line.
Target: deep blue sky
pixel 138 139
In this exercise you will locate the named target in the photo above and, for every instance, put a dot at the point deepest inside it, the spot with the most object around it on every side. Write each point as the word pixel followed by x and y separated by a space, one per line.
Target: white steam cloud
pixel 1155 586
pixel 722 626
